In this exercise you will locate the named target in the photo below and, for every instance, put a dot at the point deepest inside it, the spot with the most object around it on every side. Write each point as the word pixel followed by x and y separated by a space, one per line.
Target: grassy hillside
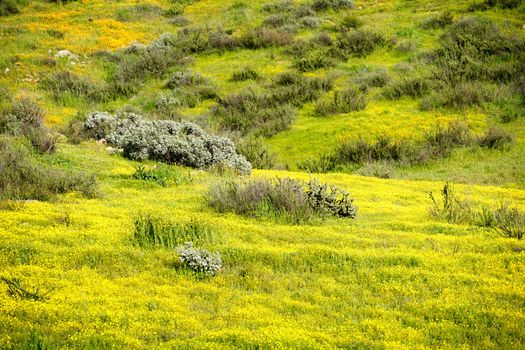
pixel 388 100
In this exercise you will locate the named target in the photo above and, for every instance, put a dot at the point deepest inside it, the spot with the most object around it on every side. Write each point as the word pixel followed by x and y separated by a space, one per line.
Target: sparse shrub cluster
pixel 323 51
pixel 372 77
pixel 163 175
pixel 504 220
pixel 164 140
pixel 156 232
pixel 26 118
pixel 435 144
pixel 271 111
pixel 439 21
pixel 284 199
pixel 488 4
pixel 139 12
pixel 349 100
pixel 22 178
pixel 65 82
pixel 246 73
pixel 323 5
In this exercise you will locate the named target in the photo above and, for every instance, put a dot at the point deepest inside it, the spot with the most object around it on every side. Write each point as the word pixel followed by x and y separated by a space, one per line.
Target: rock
pixel 65 53
pixel 101 142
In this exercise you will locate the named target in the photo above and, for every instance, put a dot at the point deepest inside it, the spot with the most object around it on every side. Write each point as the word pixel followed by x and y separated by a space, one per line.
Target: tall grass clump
pixel 285 199
pixel 505 221
pixel 156 232
pixel 67 83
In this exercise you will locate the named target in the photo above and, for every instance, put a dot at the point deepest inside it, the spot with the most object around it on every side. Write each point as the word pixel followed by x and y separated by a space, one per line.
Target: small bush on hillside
pixel 278 6
pixel 271 111
pixel 348 23
pixel 164 140
pixel 488 4
pixel 451 208
pixel 359 43
pixel 9 7
pixel 185 78
pixel 22 178
pixel 440 21
pixel 323 5
pixel 368 78
pixel 496 138
pixel 265 37
pixel 414 87
pixel 507 222
pixel 257 153
pixel 66 82
pixel 153 232
pixel 458 96
pixel 199 260
pixel 162 175
pixel 310 22
pixel 349 100
pixel 275 21
pixel 285 199
pixel 26 118
pixel 244 74
pixel 380 169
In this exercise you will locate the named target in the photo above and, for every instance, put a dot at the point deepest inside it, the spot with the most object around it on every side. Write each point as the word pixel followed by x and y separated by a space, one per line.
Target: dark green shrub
pixel 488 4
pixel 368 77
pixel 163 175
pixel 156 232
pixel 349 22
pixel 415 86
pixel 9 7
pixel 256 152
pixel 313 60
pixel 359 43
pixel 440 21
pixel 275 21
pixel 265 37
pixel 323 5
pixel 271 111
pixel 349 100
pixel 23 178
pixel 496 138
pixel 285 199
pixel 26 118
pixel 323 164
pixel 244 74
pixel 458 96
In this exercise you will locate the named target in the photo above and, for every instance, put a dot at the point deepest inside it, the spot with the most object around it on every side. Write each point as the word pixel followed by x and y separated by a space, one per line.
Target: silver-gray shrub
pixel 168 141
pixel 199 260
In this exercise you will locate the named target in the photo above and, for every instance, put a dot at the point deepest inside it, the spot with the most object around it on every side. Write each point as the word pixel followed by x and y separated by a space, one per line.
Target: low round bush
pixel 168 141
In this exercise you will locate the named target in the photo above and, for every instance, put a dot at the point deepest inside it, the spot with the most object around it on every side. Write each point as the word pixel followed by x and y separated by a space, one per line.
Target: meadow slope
pixel 395 277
